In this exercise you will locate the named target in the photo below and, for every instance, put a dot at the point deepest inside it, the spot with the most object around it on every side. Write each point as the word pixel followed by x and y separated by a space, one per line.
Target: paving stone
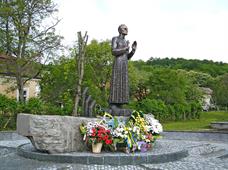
pixel 205 155
pixel 13 143
pixel 114 160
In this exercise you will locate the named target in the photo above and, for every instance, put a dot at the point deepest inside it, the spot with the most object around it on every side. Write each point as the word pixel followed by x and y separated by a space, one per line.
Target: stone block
pixel 220 125
pixel 52 133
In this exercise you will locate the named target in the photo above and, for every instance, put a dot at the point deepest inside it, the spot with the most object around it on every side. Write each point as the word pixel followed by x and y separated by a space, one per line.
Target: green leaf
pixel 115 122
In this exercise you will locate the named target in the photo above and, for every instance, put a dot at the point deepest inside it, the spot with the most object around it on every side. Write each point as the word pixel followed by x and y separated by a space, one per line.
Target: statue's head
pixel 123 29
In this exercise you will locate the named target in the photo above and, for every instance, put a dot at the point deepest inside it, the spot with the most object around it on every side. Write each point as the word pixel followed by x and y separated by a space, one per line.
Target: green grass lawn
pixel 197 125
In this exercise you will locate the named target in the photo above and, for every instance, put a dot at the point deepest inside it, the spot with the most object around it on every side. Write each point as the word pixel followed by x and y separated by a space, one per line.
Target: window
pixel 25 94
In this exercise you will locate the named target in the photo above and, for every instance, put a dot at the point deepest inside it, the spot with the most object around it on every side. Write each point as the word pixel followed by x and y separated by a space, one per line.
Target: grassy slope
pixel 202 124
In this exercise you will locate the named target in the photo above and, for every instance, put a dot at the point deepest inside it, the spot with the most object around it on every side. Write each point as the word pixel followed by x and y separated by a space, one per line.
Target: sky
pixel 190 29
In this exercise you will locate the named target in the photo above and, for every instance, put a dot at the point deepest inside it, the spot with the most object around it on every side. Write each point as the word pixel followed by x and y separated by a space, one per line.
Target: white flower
pixel 159 127
pixel 155 126
pixel 119 134
pixel 148 128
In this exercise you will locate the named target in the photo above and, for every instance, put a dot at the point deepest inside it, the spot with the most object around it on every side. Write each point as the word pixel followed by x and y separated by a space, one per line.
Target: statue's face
pixel 123 29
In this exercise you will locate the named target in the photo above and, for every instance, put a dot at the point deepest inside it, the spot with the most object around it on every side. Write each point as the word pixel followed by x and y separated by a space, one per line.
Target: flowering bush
pixel 96 133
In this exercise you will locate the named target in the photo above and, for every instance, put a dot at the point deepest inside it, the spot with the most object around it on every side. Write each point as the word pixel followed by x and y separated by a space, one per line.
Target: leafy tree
pixel 25 37
pixel 138 79
pixel 168 86
pixel 59 79
pixel 58 82
pixel 99 61
pixel 220 90
pixel 176 89
pixel 199 78
pixel 212 68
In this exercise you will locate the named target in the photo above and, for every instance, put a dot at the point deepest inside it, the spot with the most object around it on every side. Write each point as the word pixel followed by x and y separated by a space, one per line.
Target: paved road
pixel 205 155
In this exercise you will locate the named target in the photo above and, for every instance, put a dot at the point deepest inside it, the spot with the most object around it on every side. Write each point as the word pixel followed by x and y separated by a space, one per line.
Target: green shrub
pixel 9 108
pixel 7 105
pixel 32 106
pixel 164 111
pixel 156 107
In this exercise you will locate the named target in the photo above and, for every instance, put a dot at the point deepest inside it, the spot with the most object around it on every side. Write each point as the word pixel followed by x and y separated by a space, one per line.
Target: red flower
pixel 93 134
pixel 108 142
pixel 100 134
pixel 105 137
pixel 101 131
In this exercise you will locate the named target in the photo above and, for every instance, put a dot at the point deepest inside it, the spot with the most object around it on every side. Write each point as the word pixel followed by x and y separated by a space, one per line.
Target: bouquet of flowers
pixel 96 133
pixel 141 131
pixel 136 133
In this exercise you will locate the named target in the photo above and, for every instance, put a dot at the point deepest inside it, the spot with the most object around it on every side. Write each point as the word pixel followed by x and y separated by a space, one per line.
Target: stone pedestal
pixel 52 134
pixel 116 110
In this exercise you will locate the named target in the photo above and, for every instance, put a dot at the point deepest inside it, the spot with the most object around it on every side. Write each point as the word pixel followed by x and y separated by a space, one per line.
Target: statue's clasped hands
pixel 133 46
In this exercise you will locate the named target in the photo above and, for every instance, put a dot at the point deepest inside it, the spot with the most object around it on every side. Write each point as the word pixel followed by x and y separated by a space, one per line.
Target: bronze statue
pixel 119 89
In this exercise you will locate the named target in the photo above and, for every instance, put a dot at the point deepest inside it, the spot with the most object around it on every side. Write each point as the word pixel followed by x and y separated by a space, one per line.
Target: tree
pixel 199 78
pixel 25 38
pixel 173 86
pixel 205 66
pixel 167 86
pixel 98 70
pixel 58 81
pixel 138 79
pixel 220 90
pixel 80 60
pixel 60 78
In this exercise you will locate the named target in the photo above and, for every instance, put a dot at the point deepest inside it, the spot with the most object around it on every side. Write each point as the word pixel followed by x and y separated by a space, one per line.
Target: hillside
pixel 205 66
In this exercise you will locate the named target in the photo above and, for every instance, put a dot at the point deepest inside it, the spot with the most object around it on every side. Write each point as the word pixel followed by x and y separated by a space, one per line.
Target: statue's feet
pixel 115 110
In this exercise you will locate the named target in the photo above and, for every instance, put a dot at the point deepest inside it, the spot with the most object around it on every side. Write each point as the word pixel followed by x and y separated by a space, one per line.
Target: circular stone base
pixel 163 151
